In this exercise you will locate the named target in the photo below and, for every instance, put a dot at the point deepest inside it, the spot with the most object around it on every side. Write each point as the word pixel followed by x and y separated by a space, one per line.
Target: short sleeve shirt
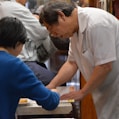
pixel 96 43
pixel 88 47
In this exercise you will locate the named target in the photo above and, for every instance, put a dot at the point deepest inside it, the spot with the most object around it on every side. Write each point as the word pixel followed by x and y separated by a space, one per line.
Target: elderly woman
pixel 16 79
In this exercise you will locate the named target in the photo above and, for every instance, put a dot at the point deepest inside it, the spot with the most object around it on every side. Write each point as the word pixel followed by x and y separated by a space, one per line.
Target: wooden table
pixel 32 110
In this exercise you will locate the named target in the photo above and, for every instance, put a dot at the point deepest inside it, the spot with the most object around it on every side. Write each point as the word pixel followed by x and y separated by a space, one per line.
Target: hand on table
pixel 75 95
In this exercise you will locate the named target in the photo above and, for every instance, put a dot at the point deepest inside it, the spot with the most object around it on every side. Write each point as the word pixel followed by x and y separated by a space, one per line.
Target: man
pixel 39 46
pixel 94 50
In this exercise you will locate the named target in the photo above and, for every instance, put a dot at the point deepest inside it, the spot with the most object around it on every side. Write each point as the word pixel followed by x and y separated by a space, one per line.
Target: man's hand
pixel 74 95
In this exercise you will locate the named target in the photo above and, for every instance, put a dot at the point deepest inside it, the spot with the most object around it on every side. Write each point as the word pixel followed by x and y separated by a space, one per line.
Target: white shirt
pixel 37 34
pixel 96 43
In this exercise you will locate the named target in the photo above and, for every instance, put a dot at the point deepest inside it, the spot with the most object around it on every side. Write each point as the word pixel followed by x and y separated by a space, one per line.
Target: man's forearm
pixel 97 78
pixel 65 74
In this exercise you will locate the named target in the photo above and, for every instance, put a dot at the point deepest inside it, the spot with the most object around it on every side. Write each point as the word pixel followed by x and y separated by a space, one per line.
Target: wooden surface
pixel 33 109
pixel 86 3
pixel 87 109
pixel 92 3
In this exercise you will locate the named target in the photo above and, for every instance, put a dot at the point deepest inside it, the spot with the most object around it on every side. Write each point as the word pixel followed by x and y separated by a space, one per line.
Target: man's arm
pixel 97 78
pixel 65 74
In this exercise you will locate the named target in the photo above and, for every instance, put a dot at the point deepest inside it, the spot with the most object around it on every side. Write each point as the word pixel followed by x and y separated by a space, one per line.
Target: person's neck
pixel 21 2
pixel 75 17
pixel 3 49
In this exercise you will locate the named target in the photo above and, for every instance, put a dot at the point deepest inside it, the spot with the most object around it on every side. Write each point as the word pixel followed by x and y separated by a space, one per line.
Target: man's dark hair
pixel 49 12
pixel 12 31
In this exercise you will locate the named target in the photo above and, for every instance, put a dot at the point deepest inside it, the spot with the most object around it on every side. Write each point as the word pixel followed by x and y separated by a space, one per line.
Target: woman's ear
pixel 17 44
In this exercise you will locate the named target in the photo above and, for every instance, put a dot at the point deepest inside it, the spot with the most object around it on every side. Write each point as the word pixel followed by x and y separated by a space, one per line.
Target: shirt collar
pixel 82 19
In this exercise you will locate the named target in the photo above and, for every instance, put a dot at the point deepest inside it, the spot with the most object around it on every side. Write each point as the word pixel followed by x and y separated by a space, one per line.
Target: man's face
pixel 63 29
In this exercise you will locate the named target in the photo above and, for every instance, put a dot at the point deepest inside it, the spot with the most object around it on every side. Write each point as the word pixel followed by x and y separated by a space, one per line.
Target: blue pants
pixel 41 72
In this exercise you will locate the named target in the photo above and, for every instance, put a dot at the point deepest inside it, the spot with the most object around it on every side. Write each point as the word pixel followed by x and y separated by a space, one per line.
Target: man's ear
pixel 61 15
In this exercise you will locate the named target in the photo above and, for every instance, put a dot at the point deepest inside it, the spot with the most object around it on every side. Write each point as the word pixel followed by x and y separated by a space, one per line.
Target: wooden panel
pixel 92 3
pixel 87 109
pixel 85 3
